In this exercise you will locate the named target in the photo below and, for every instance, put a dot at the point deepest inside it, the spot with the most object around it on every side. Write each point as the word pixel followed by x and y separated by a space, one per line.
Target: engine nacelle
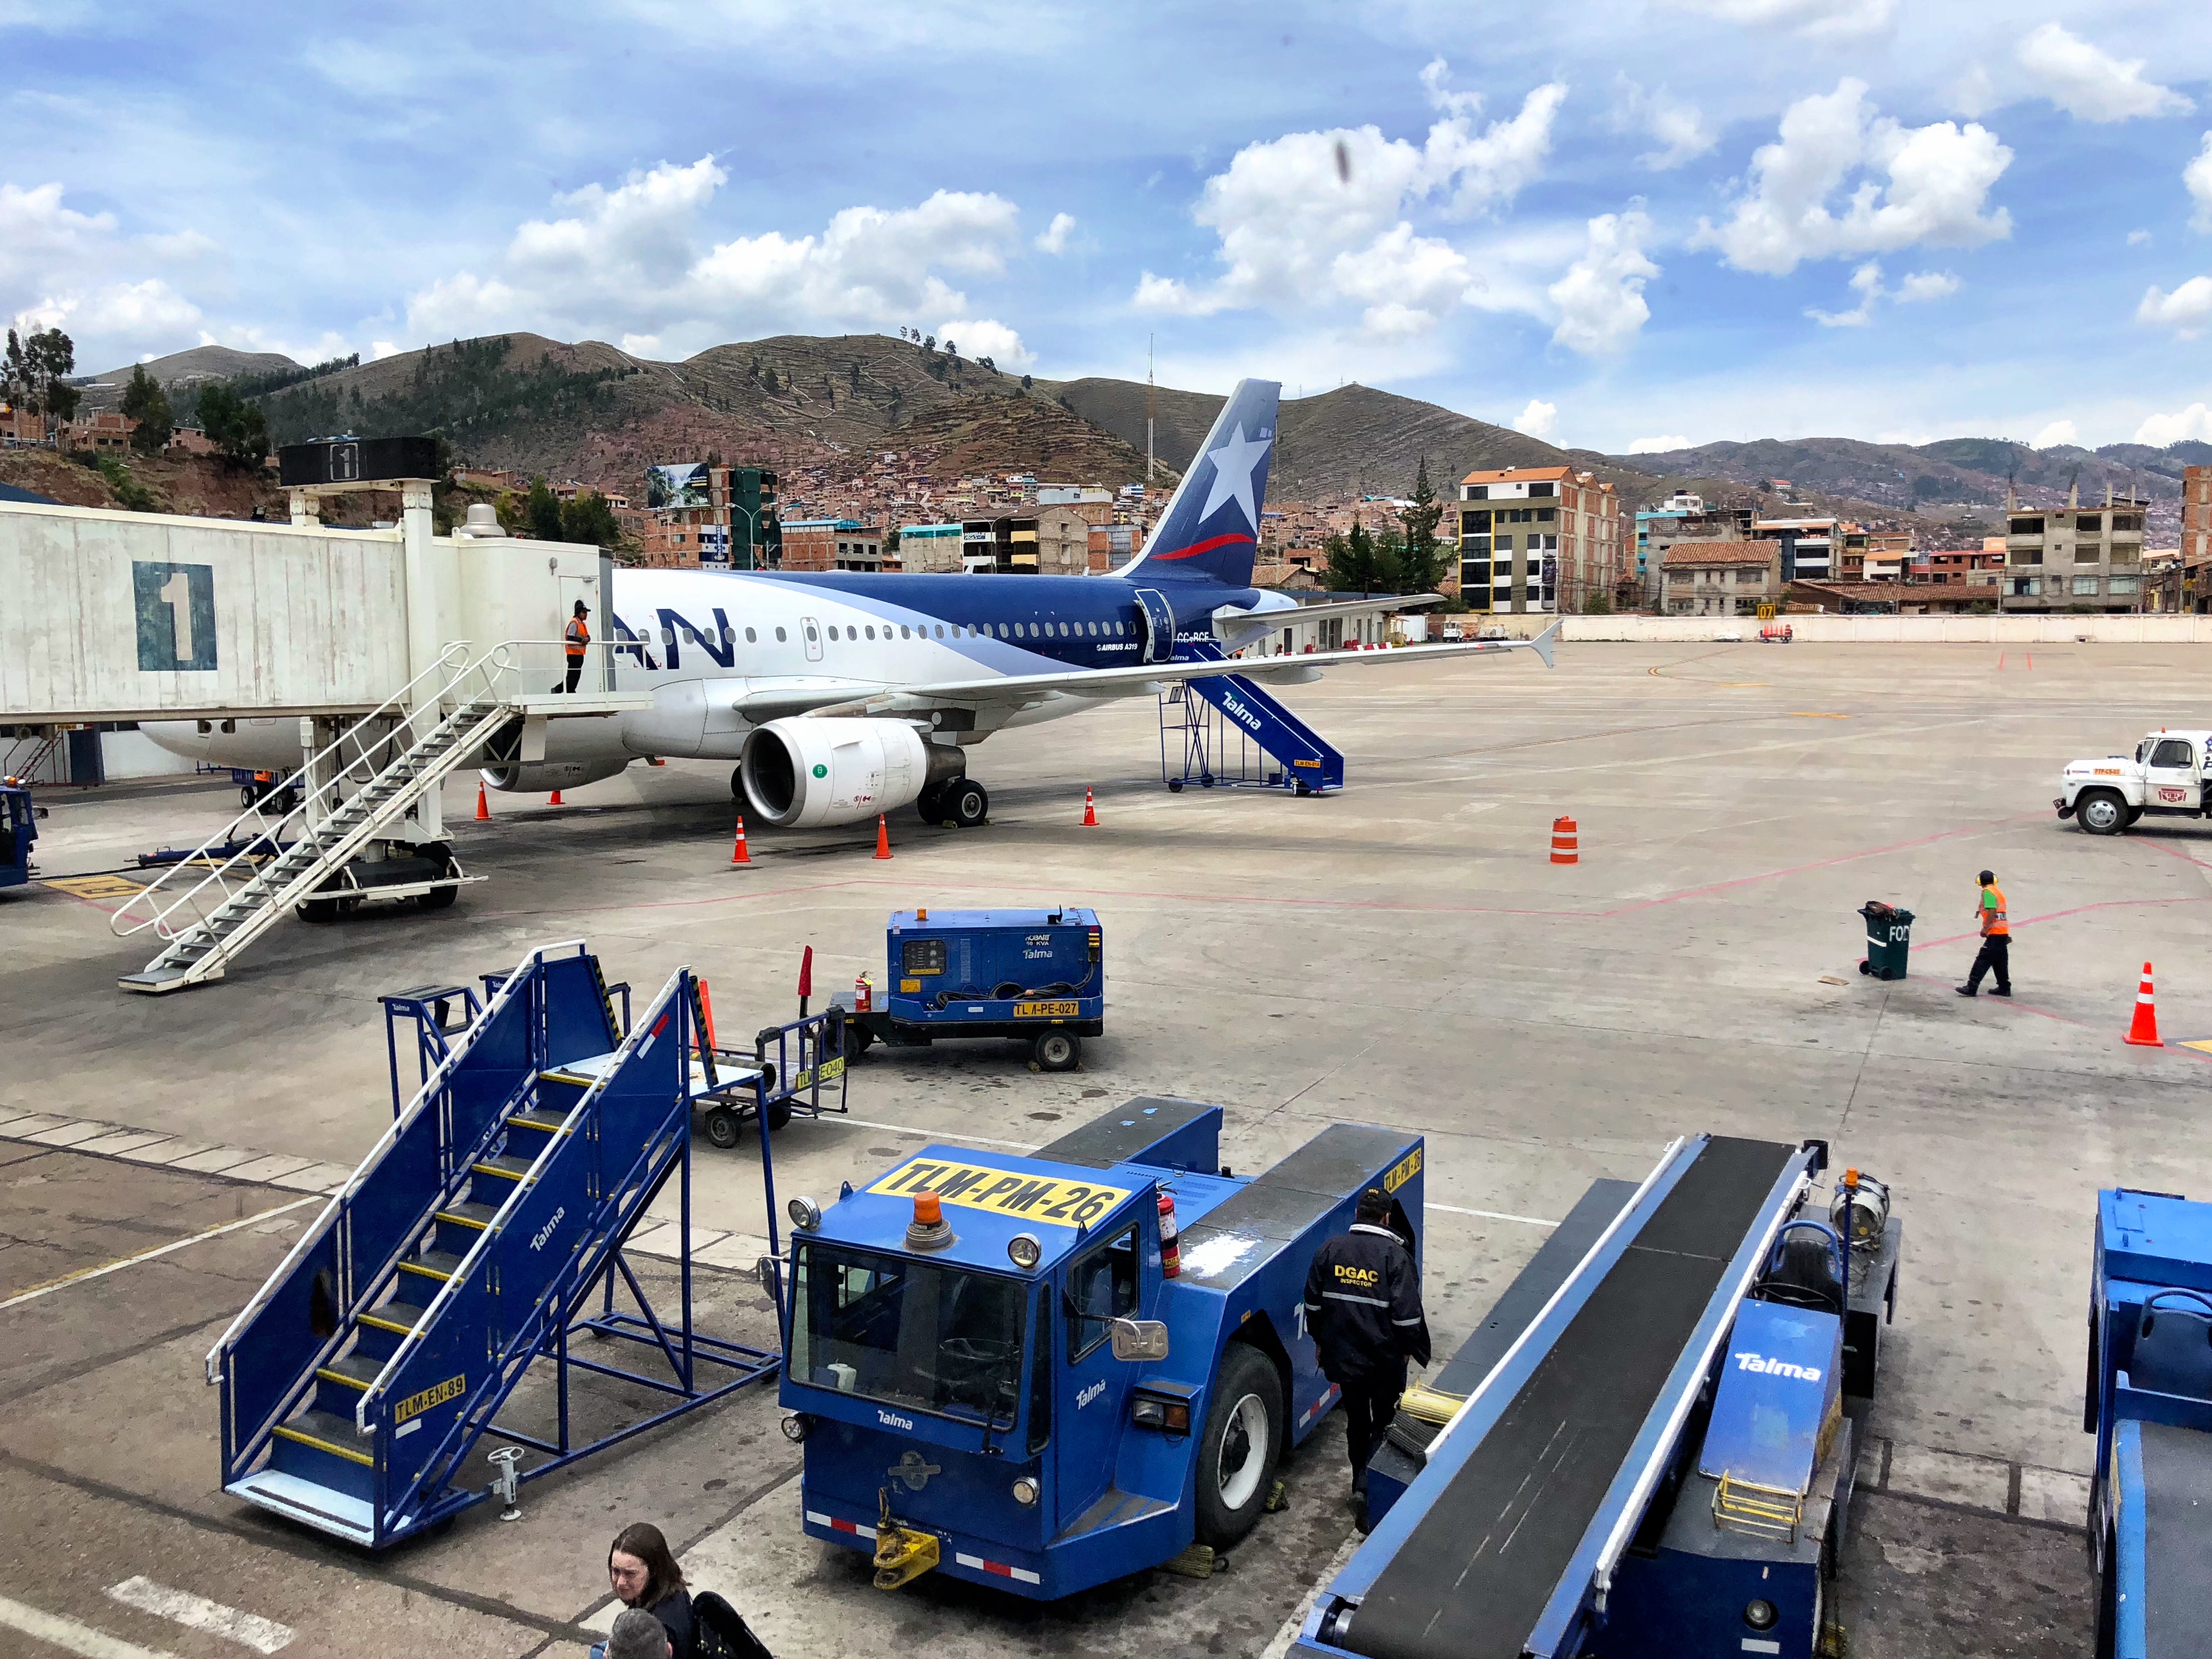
pixel 542 777
pixel 806 770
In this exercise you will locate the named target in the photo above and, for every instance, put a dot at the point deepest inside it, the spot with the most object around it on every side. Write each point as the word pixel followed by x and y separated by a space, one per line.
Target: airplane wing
pixel 1143 679
pixel 1236 627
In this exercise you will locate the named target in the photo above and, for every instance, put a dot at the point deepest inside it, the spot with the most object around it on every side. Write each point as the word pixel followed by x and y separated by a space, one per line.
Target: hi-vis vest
pixel 577 636
pixel 1996 914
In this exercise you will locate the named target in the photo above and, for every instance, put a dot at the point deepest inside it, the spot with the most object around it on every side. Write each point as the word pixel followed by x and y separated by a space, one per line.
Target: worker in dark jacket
pixel 1363 1308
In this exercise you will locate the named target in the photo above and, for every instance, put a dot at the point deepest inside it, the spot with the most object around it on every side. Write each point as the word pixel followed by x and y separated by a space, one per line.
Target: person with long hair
pixel 645 1575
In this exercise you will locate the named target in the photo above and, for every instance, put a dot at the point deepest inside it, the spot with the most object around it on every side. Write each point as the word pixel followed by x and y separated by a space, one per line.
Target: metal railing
pixel 356 759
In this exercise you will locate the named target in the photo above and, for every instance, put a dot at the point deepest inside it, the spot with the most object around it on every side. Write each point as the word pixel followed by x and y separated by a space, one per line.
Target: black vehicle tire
pixel 779 1114
pixel 2101 812
pixel 287 802
pixel 1241 1445
pixel 967 803
pixel 1174 786
pixel 857 1039
pixel 929 804
pixel 438 898
pixel 738 785
pixel 246 797
pixel 721 1126
pixel 1057 1051
pixel 319 910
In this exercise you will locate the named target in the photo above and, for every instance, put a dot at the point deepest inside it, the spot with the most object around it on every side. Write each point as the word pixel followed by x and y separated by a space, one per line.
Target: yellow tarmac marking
pixel 95 887
pixel 83 1273
pixel 2203 1047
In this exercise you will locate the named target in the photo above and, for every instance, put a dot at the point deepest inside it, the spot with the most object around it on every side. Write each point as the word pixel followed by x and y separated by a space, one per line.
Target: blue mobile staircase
pixel 469 1244
pixel 1229 732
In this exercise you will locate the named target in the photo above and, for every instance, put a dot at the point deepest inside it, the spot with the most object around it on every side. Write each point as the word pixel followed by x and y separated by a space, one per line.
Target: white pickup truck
pixel 2166 774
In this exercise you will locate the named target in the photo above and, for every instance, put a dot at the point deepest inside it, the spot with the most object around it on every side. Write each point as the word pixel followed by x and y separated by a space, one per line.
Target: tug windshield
pixel 931 1336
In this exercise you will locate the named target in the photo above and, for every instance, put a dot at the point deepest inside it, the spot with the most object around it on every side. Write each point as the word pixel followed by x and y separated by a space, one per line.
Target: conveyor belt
pixel 2176 1540
pixel 1473 1579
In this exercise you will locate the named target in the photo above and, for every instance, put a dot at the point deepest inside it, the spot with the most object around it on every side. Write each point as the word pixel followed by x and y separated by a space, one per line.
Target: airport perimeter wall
pixel 1890 630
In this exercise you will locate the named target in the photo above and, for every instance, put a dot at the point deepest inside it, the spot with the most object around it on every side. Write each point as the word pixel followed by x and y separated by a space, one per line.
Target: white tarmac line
pixel 197 1612
pixel 928 1135
pixel 80 1277
pixel 71 1636
pixel 1492 1215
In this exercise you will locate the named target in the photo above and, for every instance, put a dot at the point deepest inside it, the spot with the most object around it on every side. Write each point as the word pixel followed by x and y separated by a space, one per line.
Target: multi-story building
pixel 2187 584
pixel 1054 541
pixel 1682 517
pixel 831 545
pixel 1811 548
pixel 2076 558
pixel 1720 579
pixel 735 530
pixel 930 548
pixel 1537 539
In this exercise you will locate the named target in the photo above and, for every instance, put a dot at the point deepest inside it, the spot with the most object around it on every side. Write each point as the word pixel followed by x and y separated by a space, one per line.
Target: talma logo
pixel 546 1232
pixel 1752 1362
pixel 893 1420
pixel 1087 1396
pixel 1240 713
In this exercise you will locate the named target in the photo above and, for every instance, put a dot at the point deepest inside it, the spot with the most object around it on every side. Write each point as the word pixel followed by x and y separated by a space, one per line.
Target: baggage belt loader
pixel 1046 1372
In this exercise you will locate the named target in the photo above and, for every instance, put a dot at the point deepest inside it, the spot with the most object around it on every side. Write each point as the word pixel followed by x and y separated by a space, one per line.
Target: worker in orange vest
pixel 1996 941
pixel 577 641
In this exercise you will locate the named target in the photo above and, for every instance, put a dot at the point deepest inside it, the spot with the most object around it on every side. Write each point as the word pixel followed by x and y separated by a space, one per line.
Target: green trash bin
pixel 1889 939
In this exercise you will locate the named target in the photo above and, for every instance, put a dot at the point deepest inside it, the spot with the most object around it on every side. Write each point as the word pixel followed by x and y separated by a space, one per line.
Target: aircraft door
pixel 1158 623
pixel 811 631
pixel 1105 1282
pixel 585 588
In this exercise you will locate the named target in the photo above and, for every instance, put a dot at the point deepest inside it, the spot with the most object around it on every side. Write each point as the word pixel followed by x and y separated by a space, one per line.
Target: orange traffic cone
pixel 738 853
pixel 556 798
pixel 883 837
pixel 1089 811
pixel 2143 1033
pixel 1566 841
pixel 483 806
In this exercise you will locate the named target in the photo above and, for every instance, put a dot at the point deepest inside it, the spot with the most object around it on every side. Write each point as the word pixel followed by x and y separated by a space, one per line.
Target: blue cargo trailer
pixel 1037 976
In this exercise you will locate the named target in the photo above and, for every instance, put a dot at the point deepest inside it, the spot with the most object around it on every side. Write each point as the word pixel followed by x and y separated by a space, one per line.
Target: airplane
pixel 843 694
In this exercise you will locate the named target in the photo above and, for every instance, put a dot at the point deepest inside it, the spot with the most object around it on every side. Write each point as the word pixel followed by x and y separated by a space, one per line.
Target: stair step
pixel 440 1265
pixel 400 1318
pixel 548 1121
pixel 354 1370
pixel 509 1167
pixel 327 1433
pixel 471 1214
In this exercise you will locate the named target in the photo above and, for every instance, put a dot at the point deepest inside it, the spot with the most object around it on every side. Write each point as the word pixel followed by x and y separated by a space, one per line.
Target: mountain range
pixel 590 410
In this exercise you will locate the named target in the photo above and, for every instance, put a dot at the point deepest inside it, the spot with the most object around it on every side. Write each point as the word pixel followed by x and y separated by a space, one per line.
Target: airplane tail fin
pixel 1546 643
pixel 1211 530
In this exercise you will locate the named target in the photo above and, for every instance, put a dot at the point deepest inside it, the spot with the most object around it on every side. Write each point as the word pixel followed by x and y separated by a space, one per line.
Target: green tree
pixel 36 372
pixel 1357 563
pixel 544 512
pixel 1423 561
pixel 145 402
pixel 588 519
pixel 235 426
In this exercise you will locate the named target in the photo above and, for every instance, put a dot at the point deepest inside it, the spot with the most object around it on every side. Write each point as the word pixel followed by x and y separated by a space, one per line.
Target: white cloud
pixel 63 268
pixel 1054 237
pixel 2138 238
pixel 631 262
pixel 1918 287
pixel 1408 281
pixel 2187 310
pixel 2196 177
pixel 1538 420
pixel 1288 211
pixel 2058 432
pixel 1660 446
pixel 2160 430
pixel 984 337
pixel 2086 81
pixel 1938 182
pixel 1434 74
pixel 1601 299
pixel 1678 124
pixel 1973 95
pixel 381 348
pixel 1821 19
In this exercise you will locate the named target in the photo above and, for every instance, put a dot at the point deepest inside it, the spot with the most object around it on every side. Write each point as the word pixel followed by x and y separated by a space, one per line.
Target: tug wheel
pixel 1242 1440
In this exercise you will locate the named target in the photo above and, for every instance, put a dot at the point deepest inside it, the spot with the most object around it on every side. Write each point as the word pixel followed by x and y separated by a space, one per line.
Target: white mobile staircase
pixel 209 907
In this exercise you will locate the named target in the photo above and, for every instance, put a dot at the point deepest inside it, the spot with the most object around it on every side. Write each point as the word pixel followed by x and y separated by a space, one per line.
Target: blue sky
pixel 1627 221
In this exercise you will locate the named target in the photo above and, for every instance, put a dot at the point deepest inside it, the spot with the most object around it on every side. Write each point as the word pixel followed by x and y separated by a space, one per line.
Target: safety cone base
pixel 2143 1032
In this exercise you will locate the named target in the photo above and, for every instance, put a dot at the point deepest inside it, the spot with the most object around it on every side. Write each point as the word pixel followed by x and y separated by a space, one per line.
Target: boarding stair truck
pixel 1651 1457
pixel 1035 976
pixel 2167 774
pixel 1005 1368
pixel 2148 1402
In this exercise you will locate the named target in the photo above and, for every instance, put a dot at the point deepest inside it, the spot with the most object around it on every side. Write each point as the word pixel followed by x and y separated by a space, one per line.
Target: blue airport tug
pixel 2150 1403
pixel 1038 976
pixel 1044 1372
pixel 19 833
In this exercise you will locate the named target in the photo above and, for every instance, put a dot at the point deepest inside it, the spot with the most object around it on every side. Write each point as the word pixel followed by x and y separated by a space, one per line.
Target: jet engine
pixel 806 770
pixel 541 777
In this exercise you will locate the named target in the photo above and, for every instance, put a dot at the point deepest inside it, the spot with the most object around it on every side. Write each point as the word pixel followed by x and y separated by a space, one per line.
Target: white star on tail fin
pixel 1232 474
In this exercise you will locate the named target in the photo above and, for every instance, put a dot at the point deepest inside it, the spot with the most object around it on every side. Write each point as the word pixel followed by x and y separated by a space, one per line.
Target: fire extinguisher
pixel 1170 1250
pixel 864 995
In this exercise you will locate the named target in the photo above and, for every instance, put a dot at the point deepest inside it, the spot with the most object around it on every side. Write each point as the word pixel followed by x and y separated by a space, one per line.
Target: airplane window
pixel 872 633
pixel 904 632
pixel 940 632
pixel 778 636
pixel 851 632
pixel 751 638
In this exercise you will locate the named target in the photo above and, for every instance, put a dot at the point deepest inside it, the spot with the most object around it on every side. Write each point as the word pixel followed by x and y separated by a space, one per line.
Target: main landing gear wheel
pixel 1243 1437
pixel 2101 812
pixel 738 785
pixel 1057 1051
pixel 965 803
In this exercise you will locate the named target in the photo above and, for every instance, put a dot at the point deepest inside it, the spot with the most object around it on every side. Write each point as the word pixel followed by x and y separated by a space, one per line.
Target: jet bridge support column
pixel 417 528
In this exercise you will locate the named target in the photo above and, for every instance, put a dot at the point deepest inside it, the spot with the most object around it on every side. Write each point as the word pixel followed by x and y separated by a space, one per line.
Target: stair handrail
pixel 370 758
pixel 640 1033
pixel 432 1087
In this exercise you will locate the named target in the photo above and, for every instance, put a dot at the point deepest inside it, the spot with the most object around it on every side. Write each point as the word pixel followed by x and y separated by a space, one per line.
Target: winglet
pixel 1545 643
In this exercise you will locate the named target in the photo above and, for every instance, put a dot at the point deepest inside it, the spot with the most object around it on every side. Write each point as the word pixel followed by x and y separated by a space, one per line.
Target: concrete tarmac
pixel 1403 953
